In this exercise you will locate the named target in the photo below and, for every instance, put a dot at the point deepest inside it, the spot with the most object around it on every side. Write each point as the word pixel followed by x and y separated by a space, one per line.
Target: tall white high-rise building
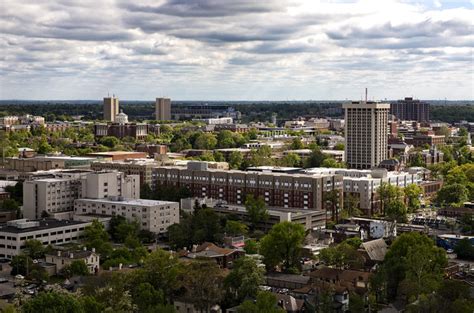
pixel 366 133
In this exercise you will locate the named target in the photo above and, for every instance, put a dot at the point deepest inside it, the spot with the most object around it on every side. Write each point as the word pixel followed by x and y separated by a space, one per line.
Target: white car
pixel 19 276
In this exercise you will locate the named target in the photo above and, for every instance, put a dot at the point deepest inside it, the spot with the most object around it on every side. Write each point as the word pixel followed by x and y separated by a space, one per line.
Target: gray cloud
pixel 208 8
pixel 242 48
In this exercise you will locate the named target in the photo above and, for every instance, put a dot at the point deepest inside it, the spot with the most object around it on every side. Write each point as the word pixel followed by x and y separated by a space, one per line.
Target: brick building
pixel 277 189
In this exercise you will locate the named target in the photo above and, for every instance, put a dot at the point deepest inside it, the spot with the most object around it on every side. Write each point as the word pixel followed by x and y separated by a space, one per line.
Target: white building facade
pixel 14 233
pixel 152 215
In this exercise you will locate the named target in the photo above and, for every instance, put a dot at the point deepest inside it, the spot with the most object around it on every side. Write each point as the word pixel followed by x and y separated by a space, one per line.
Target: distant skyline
pixel 236 50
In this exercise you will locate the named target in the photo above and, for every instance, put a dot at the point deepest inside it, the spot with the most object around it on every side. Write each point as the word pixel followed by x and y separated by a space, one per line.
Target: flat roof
pixel 44 224
pixel 296 211
pixel 116 153
pixel 141 202
pixel 52 180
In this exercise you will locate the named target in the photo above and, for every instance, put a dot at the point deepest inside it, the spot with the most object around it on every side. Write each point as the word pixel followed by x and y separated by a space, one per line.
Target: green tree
pixel 235 228
pixel 296 144
pixel 351 205
pixel 52 302
pixel 344 255
pixel 464 249
pixel 162 270
pixel 203 281
pixel 251 246
pixel 282 245
pixel 388 193
pixel 291 160
pixel 77 267
pixel 206 226
pixel 10 205
pixel 147 298
pixel 266 302
pixel 256 210
pixel 205 141
pixel 403 261
pixel 396 210
pixel 452 195
pixel 412 194
pixel 244 279
pixel 331 163
pixel 225 139
pixel 416 159
pixel 235 160
pixel 34 248
pixel 95 236
pixel 315 159
pixel 443 130
pixel 110 141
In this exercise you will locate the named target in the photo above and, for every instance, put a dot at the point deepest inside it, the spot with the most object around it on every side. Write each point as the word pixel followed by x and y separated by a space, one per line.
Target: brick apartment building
pixel 277 189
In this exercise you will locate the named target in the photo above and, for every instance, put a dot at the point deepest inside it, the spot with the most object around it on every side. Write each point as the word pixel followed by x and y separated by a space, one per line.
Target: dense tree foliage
pixel 244 280
pixel 282 246
pixel 265 303
pixel 256 210
pixel 200 226
pixel 413 266
pixel 343 255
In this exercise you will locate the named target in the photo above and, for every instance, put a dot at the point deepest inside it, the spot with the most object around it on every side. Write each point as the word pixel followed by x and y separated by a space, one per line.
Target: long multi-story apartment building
pixel 152 215
pixel 277 189
pixel 411 110
pixel 366 127
pixel 55 196
pixel 364 184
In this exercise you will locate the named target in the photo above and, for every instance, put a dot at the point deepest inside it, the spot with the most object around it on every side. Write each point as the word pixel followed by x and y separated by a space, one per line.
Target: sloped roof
pixel 210 248
pixel 376 249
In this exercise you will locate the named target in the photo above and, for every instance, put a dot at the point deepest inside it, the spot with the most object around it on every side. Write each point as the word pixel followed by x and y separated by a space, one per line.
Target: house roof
pixel 290 303
pixel 340 275
pixel 209 250
pixel 209 246
pixel 376 249
pixel 292 278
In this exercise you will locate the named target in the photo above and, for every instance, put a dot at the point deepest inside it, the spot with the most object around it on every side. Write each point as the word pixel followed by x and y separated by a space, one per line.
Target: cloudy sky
pixel 236 49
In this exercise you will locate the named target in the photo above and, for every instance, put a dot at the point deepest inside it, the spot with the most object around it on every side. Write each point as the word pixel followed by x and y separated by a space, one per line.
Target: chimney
pixel 93 249
pixel 84 248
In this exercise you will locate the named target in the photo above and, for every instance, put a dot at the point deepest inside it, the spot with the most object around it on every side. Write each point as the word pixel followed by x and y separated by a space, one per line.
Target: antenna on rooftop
pixel 366 94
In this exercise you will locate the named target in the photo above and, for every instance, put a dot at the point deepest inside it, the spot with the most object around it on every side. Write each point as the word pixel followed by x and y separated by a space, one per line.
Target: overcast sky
pixel 236 49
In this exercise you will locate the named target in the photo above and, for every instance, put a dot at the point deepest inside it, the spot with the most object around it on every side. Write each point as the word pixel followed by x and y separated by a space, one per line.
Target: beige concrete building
pixel 56 196
pixel 366 133
pixel 163 109
pixel 111 108
pixel 155 216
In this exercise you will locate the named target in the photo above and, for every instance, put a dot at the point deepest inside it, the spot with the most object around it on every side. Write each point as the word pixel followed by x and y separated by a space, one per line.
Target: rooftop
pixel 43 224
pixel 141 202
pixel 115 153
